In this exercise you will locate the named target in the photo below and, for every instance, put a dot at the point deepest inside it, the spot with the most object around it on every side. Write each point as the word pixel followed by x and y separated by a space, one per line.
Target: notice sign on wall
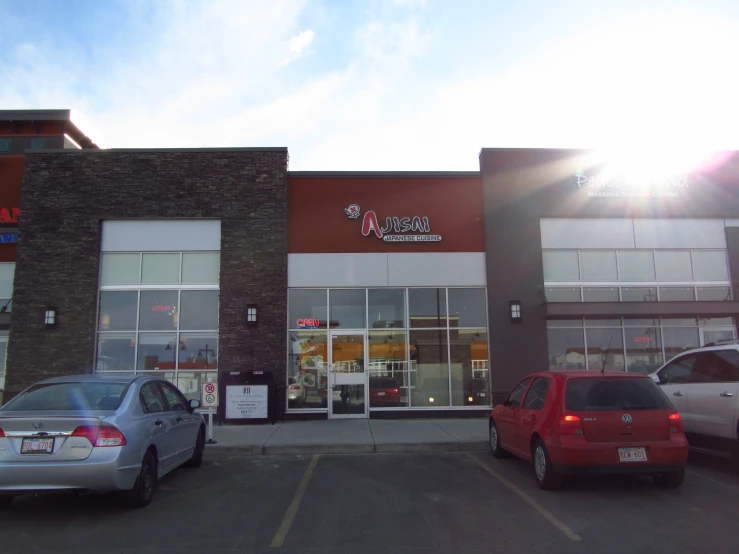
pixel 247 401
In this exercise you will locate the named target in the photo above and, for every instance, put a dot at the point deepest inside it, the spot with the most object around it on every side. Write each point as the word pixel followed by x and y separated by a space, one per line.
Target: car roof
pixel 582 374
pixel 93 378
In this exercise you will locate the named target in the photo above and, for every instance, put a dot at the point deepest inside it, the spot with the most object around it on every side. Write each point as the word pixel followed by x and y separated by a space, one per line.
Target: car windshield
pixel 70 397
pixel 383 384
pixel 603 393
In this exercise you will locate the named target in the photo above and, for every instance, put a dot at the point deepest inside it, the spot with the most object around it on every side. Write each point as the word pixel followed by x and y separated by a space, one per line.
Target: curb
pixel 356 448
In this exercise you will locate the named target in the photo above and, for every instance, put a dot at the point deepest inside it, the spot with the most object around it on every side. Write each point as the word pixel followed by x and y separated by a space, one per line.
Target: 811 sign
pixel 210 395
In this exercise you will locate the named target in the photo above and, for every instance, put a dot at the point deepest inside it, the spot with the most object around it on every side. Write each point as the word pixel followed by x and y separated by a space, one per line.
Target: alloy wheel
pixel 540 463
pixel 493 437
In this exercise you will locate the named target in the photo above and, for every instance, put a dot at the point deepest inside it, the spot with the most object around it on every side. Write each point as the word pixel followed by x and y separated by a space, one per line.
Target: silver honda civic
pixel 94 433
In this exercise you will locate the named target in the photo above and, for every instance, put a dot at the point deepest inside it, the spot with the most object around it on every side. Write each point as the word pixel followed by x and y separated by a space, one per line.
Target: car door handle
pixel 179 420
pixel 678 393
pixel 158 422
pixel 727 393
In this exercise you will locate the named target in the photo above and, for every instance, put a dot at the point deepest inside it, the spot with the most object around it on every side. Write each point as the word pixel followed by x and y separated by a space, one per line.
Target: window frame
pixel 539 401
pixel 526 382
pixel 142 402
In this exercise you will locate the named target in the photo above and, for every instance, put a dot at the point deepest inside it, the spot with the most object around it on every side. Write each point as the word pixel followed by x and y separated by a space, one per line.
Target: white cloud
pixel 296 45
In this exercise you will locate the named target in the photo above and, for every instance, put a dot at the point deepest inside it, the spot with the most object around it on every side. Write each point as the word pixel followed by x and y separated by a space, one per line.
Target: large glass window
pixel 673 265
pixel 710 265
pixel 201 267
pixel 120 269
pixel 636 266
pixel 676 294
pixel 347 307
pixel 467 308
pixel 468 350
pixel 386 308
pixel 160 269
pixel 199 310
pixel 116 351
pixel 307 308
pixel 566 347
pixel 563 294
pixel 429 368
pixel 388 369
pixel 561 265
pixel 605 349
pixel 157 351
pixel 598 266
pixel 643 349
pixel 118 310
pixel 600 294
pixel 638 294
pixel 307 375
pixel 427 307
pixel 158 310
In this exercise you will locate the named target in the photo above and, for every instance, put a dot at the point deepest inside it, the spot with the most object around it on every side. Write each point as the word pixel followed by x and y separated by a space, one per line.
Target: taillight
pixel 105 435
pixel 570 425
pixel 676 423
pixel 2 433
pixel 396 391
pixel 294 387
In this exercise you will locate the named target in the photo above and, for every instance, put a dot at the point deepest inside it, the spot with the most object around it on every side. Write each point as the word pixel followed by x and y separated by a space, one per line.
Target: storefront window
pixel 386 308
pixel 673 265
pixel 561 265
pixel 120 269
pixel 714 294
pixel 347 308
pixel 605 349
pixel 467 308
pixel 676 294
pixel 118 310
pixel 679 339
pixel 469 367
pixel 307 376
pixel 636 265
pixel 116 352
pixel 310 305
pixel 598 266
pixel 157 351
pixel 160 269
pixel 388 369
pixel 563 294
pixel 427 308
pixel 638 294
pixel 710 265
pixel 201 267
pixel 566 345
pixel 643 349
pixel 191 383
pixel 158 311
pixel 429 368
pixel 198 351
pixel 600 294
pixel 199 310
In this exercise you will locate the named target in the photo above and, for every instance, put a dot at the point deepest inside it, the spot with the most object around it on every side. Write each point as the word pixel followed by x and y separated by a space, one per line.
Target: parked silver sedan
pixel 94 433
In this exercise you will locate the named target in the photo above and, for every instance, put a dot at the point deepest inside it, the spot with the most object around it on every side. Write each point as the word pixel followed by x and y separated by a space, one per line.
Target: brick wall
pixel 66 195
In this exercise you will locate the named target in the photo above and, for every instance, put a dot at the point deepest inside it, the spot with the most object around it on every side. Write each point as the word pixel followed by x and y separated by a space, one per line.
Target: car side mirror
pixel 194 404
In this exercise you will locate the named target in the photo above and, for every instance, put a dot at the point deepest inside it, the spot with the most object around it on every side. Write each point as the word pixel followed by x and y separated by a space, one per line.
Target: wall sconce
pixel 515 311
pixel 251 315
pixel 50 317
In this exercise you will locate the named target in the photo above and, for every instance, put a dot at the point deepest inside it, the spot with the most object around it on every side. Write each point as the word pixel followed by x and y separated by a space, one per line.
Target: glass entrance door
pixel 347 379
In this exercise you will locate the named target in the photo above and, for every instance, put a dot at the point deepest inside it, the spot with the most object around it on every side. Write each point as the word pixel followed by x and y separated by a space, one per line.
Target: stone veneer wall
pixel 66 196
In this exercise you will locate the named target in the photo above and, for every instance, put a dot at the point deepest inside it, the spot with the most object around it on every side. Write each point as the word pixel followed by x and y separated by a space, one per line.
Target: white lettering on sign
pixel 247 401
pixel 393 228
pixel 620 186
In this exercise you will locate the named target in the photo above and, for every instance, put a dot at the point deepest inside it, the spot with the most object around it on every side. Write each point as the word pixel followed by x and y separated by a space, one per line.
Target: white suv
pixel 703 385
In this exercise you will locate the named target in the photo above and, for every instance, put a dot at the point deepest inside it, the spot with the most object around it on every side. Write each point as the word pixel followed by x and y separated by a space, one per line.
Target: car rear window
pixel 602 393
pixel 69 396
pixel 383 384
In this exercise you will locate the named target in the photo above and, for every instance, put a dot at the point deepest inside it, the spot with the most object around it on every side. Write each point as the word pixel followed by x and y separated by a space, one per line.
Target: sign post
pixel 210 400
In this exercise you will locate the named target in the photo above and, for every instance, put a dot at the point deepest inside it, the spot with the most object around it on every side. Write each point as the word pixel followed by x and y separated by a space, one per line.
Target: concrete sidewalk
pixel 354 436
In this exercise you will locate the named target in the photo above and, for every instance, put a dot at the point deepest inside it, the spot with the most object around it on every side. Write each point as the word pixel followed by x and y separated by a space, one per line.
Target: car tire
pixel 143 490
pixel 494 441
pixel 6 500
pixel 197 454
pixel 546 477
pixel 669 479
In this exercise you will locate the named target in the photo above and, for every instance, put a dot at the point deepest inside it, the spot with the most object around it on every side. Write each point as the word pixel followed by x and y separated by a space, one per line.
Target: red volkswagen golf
pixel 582 422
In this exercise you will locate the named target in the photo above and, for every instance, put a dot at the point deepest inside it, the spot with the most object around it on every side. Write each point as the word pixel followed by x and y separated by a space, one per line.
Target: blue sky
pixel 379 84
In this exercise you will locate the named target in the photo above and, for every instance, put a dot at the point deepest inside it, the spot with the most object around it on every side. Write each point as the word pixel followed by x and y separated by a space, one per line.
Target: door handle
pixel 678 393
pixel 158 422
pixel 726 393
pixel 179 420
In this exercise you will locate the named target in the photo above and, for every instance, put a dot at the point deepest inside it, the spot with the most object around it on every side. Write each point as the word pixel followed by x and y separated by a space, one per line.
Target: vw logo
pixel 626 418
pixel 38 424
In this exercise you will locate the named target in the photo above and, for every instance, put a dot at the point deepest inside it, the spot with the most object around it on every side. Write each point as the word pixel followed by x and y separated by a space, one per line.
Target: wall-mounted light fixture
pixel 251 315
pixel 50 317
pixel 515 311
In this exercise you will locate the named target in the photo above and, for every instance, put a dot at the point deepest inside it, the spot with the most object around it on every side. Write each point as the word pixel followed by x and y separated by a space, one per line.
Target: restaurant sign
pixel 395 229
pixel 620 186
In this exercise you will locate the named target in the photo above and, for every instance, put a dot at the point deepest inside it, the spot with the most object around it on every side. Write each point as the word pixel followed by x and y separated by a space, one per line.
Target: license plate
pixel 380 394
pixel 37 446
pixel 480 394
pixel 632 454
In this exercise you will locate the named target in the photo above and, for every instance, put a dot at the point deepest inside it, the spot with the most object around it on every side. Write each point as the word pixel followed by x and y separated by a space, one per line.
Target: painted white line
pixel 292 509
pixel 549 516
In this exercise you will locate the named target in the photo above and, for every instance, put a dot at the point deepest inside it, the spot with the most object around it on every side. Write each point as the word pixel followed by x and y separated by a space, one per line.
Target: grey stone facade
pixel 66 196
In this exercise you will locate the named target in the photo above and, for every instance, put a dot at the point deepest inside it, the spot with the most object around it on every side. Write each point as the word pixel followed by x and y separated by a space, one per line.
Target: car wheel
pixel 669 479
pixel 6 500
pixel 495 448
pixel 143 490
pixel 197 454
pixel 546 477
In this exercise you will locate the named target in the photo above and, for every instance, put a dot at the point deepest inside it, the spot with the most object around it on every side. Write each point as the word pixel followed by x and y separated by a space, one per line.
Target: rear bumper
pixel 574 455
pixel 102 471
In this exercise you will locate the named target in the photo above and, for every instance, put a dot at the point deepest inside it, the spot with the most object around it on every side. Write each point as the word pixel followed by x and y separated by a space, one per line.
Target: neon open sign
pixel 309 323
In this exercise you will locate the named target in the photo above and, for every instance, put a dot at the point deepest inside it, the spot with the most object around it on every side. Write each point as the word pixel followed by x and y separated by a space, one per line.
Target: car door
pixel 507 417
pixel 712 400
pixel 530 412
pixel 157 420
pixel 676 379
pixel 185 425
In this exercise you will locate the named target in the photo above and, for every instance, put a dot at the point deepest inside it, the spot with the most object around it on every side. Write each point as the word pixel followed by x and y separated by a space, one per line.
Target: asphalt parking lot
pixel 390 503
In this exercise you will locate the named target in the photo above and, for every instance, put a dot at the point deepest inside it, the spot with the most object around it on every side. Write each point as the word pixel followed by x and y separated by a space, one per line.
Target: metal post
pixel 210 426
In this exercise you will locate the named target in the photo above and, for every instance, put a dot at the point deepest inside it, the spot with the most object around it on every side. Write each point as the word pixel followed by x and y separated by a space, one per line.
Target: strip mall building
pixel 364 294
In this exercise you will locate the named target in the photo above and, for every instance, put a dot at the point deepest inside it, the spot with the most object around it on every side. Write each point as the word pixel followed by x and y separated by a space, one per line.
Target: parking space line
pixel 711 479
pixel 292 509
pixel 569 533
